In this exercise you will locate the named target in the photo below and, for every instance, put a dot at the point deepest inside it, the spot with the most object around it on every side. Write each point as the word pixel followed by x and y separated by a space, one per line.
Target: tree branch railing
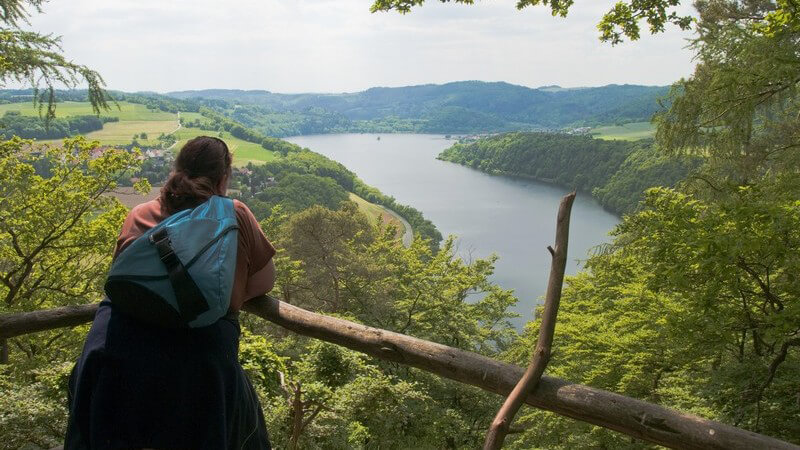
pixel 637 418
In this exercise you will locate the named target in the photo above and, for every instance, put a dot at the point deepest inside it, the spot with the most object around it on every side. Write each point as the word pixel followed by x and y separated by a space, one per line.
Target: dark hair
pixel 200 167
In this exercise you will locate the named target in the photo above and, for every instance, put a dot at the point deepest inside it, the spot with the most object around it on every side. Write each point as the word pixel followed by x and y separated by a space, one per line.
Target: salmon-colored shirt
pixel 253 252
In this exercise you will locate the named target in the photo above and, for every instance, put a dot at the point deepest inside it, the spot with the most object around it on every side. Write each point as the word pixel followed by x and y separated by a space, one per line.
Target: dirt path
pixel 408 236
pixel 175 130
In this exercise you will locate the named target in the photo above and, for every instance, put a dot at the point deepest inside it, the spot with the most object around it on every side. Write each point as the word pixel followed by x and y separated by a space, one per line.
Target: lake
pixel 512 217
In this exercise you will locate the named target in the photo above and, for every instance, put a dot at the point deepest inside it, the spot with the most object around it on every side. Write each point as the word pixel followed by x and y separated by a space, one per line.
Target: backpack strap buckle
pixel 164 247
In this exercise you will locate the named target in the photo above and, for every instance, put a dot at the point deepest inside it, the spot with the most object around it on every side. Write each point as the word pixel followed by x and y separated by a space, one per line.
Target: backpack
pixel 180 272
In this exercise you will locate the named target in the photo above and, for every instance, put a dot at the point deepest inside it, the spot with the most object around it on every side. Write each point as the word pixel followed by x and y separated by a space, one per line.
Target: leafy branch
pixel 37 59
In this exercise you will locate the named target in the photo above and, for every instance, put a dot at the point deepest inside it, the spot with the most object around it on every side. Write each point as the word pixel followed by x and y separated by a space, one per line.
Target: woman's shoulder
pixel 149 212
pixel 243 214
pixel 147 208
pixel 241 208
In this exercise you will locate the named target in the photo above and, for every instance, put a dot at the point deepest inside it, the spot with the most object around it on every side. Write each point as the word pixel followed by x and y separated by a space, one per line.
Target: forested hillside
pixel 616 172
pixel 459 107
pixel 454 108
pixel 12 123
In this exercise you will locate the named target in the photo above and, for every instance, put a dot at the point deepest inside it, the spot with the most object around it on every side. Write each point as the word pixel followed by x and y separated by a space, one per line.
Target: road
pixel 408 236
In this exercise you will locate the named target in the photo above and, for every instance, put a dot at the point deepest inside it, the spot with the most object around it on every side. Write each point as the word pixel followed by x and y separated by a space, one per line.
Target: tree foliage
pixel 14 124
pixel 37 59
pixel 56 221
pixel 694 304
pixel 694 307
pixel 349 267
pixel 57 232
pixel 281 182
pixel 615 172
pixel 623 20
pixel 740 107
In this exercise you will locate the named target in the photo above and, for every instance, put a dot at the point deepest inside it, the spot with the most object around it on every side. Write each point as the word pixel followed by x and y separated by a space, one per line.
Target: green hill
pixel 459 107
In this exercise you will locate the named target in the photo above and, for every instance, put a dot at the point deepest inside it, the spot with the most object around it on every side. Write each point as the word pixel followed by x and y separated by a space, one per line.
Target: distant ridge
pixel 514 106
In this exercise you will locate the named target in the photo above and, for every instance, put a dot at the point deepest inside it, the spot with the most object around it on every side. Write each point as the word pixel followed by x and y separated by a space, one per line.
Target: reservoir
pixel 511 217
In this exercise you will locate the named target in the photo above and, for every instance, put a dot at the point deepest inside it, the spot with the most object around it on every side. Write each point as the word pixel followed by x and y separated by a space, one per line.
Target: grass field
pixel 124 110
pixel 628 132
pixel 374 211
pixel 243 152
pixel 136 119
pixel 191 116
pixel 121 133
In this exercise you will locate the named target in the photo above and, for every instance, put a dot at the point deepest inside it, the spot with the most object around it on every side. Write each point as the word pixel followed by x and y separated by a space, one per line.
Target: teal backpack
pixel 180 272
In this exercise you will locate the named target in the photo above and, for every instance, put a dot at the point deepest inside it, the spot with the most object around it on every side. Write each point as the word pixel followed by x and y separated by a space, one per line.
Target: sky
pixel 293 46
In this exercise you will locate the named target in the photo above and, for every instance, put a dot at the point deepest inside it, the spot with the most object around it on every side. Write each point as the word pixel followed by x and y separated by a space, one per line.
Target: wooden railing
pixel 637 418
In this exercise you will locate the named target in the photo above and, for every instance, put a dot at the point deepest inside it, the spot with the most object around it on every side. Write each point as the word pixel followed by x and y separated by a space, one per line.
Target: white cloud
pixel 337 45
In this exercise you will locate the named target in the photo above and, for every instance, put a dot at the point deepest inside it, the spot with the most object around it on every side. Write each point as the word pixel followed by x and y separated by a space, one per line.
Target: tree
pixel 57 221
pixel 35 58
pixel 623 20
pixel 336 398
pixel 57 229
pixel 740 107
pixel 694 307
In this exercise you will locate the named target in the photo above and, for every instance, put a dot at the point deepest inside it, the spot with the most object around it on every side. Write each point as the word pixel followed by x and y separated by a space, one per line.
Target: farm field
pixel 191 116
pixel 121 133
pixel 124 110
pixel 243 152
pixel 628 132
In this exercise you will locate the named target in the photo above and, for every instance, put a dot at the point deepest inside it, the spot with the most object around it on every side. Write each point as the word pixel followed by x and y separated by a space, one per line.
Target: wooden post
pixel 541 355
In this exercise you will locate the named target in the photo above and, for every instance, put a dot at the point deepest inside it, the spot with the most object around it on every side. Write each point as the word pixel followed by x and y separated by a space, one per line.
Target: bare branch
pixel 541 355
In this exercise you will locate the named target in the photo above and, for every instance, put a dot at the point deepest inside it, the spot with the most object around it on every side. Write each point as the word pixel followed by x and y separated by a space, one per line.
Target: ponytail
pixel 200 168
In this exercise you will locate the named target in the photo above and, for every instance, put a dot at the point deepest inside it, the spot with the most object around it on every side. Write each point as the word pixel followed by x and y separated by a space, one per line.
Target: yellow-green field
pixel 628 132
pixel 243 152
pixel 124 110
pixel 121 133
pixel 191 116
pixel 136 119
pixel 374 211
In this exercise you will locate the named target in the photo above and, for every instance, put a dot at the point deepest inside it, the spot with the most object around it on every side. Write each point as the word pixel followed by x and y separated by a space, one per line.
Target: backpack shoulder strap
pixel 191 302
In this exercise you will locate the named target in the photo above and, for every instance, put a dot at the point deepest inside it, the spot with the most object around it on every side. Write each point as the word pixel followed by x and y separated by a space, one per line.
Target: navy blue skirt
pixel 139 386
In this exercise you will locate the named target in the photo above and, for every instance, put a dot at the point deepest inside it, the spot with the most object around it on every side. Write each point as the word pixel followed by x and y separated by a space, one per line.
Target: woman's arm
pixel 261 282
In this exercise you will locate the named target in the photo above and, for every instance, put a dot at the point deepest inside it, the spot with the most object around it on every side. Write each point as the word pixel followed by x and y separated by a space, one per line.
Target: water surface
pixel 514 218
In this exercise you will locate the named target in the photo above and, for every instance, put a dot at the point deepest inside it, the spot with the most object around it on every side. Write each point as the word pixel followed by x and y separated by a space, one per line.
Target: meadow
pixel 243 152
pixel 121 133
pixel 135 119
pixel 124 110
pixel 374 212
pixel 628 132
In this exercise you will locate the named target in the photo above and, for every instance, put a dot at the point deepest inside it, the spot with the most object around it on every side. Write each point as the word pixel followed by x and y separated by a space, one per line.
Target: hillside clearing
pixel 387 217
pixel 126 111
pixel 628 132
pixel 121 133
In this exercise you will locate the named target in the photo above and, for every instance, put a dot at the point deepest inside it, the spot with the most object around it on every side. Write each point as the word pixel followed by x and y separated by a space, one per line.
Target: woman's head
pixel 202 169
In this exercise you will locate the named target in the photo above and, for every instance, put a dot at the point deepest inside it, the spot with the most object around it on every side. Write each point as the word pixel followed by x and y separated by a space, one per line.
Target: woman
pixel 141 386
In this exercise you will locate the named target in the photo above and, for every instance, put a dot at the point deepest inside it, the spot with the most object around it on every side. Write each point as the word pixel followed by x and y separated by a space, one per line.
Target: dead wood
pixel 541 355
